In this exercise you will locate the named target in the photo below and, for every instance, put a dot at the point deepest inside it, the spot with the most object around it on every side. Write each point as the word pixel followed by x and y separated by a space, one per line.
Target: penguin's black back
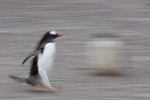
pixel 34 67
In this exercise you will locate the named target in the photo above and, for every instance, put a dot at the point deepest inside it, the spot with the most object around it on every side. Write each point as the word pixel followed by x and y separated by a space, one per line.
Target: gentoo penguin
pixel 42 62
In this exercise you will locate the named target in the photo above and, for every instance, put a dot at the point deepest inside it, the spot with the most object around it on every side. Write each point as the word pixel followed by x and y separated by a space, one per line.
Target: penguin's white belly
pixel 46 59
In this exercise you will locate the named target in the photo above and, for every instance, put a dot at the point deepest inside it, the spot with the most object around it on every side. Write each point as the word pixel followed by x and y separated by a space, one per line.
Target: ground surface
pixel 23 22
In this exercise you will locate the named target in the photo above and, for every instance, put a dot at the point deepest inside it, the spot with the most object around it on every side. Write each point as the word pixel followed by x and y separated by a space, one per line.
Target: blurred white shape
pixel 104 53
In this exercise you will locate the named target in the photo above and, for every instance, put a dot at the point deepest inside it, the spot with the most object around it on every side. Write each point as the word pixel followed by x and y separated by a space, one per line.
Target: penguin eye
pixel 52 32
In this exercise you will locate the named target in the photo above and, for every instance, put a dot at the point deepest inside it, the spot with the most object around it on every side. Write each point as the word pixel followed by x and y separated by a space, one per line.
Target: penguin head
pixel 49 36
pixel 53 34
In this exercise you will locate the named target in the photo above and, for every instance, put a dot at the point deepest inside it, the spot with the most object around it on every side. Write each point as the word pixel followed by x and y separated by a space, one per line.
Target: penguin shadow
pixel 34 90
pixel 23 87
pixel 27 89
pixel 38 91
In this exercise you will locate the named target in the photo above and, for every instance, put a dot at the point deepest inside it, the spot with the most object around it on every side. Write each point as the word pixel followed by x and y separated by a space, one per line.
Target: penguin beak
pixel 58 35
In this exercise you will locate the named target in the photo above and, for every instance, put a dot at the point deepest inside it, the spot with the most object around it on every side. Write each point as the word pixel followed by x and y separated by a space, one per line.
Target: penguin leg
pixel 44 78
pixel 46 86
pixel 34 80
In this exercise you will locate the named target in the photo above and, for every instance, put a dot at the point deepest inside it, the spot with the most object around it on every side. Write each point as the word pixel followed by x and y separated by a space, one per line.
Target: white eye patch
pixel 52 32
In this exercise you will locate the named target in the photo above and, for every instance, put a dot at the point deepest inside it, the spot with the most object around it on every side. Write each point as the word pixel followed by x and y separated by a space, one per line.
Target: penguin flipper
pixel 18 79
pixel 33 54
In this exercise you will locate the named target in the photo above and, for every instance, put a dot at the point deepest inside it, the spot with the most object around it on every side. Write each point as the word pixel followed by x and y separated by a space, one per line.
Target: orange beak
pixel 58 35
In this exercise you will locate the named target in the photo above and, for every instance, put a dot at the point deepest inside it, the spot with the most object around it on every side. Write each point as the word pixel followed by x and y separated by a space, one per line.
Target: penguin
pixel 43 58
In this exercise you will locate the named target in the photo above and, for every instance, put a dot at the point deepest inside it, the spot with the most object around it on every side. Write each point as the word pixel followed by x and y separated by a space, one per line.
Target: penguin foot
pixel 44 89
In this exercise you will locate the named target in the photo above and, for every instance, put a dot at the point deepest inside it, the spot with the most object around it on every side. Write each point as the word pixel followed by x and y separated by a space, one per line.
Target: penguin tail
pixel 18 79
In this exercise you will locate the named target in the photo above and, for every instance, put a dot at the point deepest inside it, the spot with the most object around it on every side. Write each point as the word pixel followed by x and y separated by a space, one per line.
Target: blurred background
pixel 23 23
